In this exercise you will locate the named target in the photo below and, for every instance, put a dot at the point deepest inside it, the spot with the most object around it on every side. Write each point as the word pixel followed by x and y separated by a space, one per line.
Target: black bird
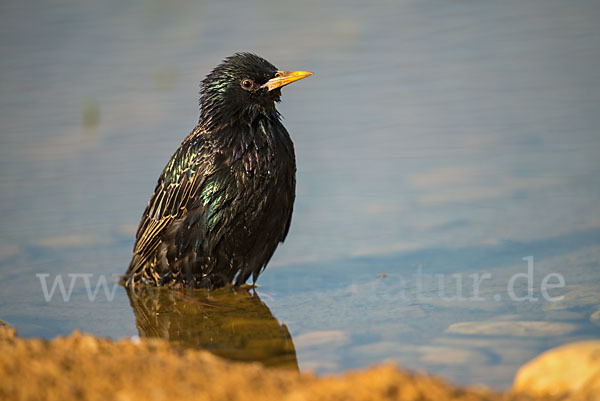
pixel 224 201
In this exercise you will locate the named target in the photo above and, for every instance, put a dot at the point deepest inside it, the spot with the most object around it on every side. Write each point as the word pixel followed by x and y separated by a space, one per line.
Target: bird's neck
pixel 223 126
pixel 215 116
pixel 264 135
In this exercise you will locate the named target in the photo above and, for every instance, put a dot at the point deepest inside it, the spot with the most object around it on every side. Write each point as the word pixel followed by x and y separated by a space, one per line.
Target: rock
pixel 570 370
pixel 512 328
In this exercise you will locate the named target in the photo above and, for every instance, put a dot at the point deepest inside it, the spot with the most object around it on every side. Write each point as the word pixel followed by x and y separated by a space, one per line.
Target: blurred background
pixel 440 137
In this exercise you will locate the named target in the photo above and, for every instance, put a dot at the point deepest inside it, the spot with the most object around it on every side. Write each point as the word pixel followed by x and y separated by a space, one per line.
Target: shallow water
pixel 436 140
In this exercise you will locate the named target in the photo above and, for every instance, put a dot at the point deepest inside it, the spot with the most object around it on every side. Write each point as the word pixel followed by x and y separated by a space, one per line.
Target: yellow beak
pixel 283 78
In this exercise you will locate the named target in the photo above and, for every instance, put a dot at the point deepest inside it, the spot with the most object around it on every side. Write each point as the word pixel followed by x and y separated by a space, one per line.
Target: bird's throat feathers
pixel 218 114
pixel 263 133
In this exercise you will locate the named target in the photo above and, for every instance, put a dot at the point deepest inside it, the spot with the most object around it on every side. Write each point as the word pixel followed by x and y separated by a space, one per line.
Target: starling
pixel 224 201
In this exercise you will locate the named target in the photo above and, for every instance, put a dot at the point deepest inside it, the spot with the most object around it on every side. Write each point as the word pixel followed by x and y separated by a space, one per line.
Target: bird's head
pixel 242 87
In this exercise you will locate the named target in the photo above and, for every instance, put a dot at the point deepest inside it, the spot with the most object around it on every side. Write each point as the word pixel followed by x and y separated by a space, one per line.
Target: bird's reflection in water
pixel 232 323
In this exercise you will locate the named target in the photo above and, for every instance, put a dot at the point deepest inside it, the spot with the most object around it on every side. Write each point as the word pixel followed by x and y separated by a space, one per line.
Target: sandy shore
pixel 84 367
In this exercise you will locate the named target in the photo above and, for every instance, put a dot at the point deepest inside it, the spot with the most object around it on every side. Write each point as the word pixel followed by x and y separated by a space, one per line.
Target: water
pixel 450 138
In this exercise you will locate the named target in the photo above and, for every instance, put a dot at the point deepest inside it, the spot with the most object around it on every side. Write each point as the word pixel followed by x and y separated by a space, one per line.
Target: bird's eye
pixel 247 84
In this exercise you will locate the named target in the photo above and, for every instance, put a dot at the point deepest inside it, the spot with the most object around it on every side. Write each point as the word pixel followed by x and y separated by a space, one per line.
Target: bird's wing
pixel 181 182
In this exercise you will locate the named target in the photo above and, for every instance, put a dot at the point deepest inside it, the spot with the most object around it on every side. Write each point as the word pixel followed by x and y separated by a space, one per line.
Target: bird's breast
pixel 262 150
